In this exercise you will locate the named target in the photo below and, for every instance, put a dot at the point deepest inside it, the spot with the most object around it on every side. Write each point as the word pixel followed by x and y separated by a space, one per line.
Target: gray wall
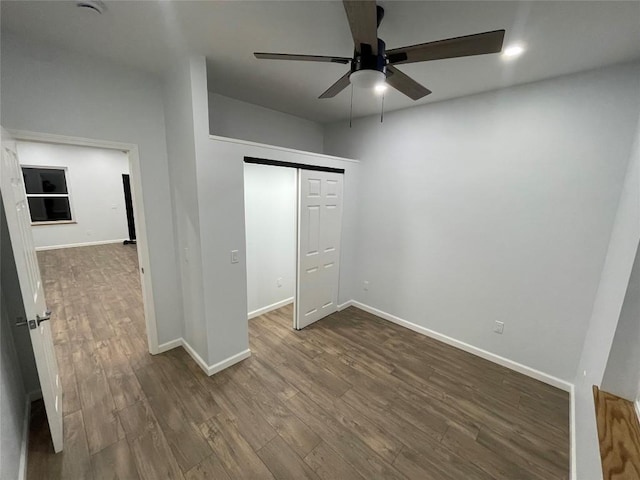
pixel 12 400
pixel 52 91
pixel 233 118
pixel 607 307
pixel 18 374
pixel 497 206
pixel 13 307
pixel 622 375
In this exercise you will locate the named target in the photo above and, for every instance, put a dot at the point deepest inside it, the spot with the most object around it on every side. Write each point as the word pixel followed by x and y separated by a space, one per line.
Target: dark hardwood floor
pixel 350 397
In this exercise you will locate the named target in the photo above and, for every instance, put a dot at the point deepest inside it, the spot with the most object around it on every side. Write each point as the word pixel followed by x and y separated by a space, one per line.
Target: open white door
pixel 16 209
pixel 319 228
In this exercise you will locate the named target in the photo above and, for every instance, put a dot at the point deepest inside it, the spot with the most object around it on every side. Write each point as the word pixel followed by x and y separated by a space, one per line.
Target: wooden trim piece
pixel 280 163
pixel 53 222
pixel 347 304
pixel 249 143
pixel 270 308
pixel 208 369
pixel 618 436
pixel 83 244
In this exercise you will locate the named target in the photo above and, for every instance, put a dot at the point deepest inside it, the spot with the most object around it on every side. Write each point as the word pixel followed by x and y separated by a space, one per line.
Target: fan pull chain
pixel 382 110
pixel 351 107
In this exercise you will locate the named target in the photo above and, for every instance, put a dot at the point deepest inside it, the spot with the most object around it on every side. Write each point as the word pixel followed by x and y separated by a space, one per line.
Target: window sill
pixel 58 222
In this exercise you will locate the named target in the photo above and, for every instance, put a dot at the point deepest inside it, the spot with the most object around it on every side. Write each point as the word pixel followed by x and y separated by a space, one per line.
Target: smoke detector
pixel 92 5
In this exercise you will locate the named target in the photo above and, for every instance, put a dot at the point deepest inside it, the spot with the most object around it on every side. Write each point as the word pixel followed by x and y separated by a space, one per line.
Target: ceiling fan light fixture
pixel 513 51
pixel 380 88
pixel 367 79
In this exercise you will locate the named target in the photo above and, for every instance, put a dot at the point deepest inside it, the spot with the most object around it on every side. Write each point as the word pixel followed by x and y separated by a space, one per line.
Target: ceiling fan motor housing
pixel 366 60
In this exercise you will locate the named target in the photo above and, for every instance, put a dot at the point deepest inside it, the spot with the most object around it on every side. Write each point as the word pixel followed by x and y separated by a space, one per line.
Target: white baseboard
pixel 572 432
pixel 227 362
pixel 196 357
pixel 83 244
pixel 347 304
pixel 208 369
pixel 505 362
pixel 165 347
pixel 637 405
pixel 24 448
pixel 269 308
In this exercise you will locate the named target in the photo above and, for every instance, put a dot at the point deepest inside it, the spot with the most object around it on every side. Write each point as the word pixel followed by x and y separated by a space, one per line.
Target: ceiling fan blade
pixel 302 58
pixel 478 44
pixel 337 87
pixel 405 84
pixel 363 21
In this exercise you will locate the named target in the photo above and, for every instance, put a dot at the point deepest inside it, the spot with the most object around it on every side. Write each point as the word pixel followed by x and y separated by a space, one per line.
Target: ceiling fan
pixel 372 66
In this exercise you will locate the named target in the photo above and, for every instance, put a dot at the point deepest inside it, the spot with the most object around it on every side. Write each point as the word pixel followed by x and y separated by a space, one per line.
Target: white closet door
pixel 14 200
pixel 319 229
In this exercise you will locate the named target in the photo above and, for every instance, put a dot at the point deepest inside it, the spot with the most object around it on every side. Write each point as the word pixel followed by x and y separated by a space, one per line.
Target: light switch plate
pixel 499 327
pixel 234 256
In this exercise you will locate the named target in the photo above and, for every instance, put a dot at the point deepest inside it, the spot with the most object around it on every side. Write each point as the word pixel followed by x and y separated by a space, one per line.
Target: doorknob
pixel 36 323
pixel 47 316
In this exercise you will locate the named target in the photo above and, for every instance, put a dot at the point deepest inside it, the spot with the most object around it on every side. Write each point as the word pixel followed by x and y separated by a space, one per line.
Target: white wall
pixel 607 307
pixel 94 181
pixel 233 118
pixel 497 206
pixel 270 198
pixel 47 90
pixel 622 375
pixel 181 148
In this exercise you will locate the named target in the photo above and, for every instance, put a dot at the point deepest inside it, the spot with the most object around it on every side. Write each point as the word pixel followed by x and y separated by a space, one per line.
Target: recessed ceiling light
pixel 96 6
pixel 513 51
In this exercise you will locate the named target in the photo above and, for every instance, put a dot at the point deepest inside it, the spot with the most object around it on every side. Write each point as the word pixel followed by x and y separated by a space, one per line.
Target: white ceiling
pixel 560 36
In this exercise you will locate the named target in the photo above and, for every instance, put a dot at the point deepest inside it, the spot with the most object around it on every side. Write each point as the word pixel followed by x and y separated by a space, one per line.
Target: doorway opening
pixel 73 243
pixel 82 214
pixel 293 215
pixel 125 193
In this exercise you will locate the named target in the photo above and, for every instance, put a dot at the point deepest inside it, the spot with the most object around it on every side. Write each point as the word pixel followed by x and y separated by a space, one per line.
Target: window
pixel 47 194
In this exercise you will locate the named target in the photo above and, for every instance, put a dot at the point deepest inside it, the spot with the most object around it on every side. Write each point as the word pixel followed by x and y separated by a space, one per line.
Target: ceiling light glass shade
pixel 367 78
pixel 380 88
pixel 513 51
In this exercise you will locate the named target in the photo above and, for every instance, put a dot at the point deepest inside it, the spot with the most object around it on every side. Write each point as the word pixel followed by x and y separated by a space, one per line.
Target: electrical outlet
pixel 234 256
pixel 365 285
pixel 279 282
pixel 499 327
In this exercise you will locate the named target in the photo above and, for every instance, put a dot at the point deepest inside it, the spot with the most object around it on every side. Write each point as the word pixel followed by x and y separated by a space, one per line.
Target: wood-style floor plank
pixel 115 462
pixel 350 397
pixel 210 468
